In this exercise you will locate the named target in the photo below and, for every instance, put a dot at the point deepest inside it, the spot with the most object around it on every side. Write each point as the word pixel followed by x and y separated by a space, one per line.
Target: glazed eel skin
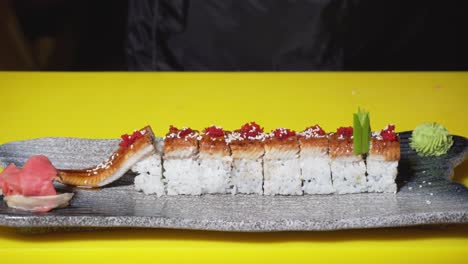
pixel 114 167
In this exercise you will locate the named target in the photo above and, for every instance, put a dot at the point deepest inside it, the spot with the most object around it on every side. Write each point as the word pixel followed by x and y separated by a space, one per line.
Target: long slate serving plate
pixel 425 196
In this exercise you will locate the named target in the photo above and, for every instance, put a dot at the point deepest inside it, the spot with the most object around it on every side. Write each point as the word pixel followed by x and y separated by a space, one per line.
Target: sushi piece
pixel 348 170
pixel 282 172
pixel 215 161
pixel 247 151
pixel 314 161
pixel 382 161
pixel 181 170
pixel 149 178
pixel 132 149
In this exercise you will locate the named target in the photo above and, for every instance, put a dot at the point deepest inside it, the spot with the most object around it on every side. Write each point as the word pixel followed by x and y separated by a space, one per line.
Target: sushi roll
pixel 382 161
pixel 181 170
pixel 149 178
pixel 282 173
pixel 247 151
pixel 215 161
pixel 314 161
pixel 348 170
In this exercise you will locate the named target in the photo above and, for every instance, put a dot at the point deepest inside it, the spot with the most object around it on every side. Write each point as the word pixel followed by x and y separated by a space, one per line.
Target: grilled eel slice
pixel 114 167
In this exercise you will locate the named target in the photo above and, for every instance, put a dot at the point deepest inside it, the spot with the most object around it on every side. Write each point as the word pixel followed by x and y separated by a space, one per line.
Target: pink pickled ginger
pixel 34 179
pixel 9 180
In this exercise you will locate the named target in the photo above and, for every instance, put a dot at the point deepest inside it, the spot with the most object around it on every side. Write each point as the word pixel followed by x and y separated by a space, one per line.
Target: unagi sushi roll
pixel 282 173
pixel 314 161
pixel 181 170
pixel 382 161
pixel 348 170
pixel 247 151
pixel 215 161
pixel 149 177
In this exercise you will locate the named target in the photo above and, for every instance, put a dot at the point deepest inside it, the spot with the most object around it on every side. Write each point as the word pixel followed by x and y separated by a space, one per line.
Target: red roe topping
pixel 388 133
pixel 214 131
pixel 318 130
pixel 250 130
pixel 313 131
pixel 180 133
pixel 283 133
pixel 173 129
pixel 127 140
pixel 345 132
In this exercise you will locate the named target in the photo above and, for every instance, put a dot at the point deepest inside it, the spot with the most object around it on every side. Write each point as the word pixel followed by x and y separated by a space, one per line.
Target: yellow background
pixel 106 105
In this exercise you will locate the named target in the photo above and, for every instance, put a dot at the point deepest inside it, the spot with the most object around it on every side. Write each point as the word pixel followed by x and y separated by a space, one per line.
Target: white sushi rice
pixel 310 175
pixel 349 175
pixel 282 177
pixel 149 176
pixel 316 175
pixel 247 176
pixel 182 176
pixel 381 175
pixel 215 175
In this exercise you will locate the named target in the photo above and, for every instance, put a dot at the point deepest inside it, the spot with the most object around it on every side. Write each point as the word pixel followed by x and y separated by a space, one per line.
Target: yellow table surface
pixel 106 105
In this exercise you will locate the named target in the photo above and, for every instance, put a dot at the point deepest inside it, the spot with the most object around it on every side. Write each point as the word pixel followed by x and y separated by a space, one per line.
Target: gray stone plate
pixel 426 196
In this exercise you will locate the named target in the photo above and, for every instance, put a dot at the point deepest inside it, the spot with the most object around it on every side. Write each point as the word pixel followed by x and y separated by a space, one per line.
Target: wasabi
pixel 431 139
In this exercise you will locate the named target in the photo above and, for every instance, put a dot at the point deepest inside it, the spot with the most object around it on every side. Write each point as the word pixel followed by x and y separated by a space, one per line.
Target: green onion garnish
pixel 361 132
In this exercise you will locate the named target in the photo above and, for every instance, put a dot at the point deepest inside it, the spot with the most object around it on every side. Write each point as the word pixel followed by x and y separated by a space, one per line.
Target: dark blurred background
pixel 63 35
pixel 234 35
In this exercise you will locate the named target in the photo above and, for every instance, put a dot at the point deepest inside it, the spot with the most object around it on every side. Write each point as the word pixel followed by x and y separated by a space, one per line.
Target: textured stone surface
pixel 426 196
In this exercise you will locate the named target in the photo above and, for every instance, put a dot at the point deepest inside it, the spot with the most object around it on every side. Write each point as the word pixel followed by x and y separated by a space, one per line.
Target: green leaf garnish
pixel 357 132
pixel 361 132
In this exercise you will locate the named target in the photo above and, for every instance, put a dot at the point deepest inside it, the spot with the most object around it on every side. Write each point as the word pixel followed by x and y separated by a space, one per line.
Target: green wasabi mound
pixel 431 139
